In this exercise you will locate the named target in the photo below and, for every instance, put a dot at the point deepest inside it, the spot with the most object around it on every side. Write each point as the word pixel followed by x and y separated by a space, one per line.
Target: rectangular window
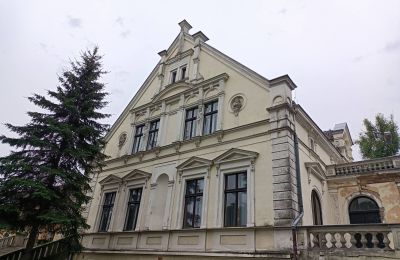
pixel 106 212
pixel 190 123
pixel 183 73
pixel 173 76
pixel 153 134
pixel 210 117
pixel 138 138
pixel 193 203
pixel 235 200
pixel 133 209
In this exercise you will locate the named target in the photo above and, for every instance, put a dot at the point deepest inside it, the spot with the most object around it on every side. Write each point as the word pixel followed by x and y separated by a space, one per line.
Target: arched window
pixel 364 210
pixel 316 208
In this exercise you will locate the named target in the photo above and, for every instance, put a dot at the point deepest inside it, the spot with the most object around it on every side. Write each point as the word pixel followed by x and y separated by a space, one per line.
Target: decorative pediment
pixel 171 90
pixel 110 179
pixel 194 162
pixel 235 154
pixel 136 174
pixel 316 169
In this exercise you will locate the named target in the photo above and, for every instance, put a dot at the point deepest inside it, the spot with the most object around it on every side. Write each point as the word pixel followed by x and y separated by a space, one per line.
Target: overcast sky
pixel 344 56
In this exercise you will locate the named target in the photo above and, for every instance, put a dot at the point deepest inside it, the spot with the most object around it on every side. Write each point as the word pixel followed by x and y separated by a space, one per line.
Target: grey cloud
pixel 74 22
pixel 392 46
pixel 282 11
pixel 120 21
pixel 125 34
pixel 43 46
pixel 358 58
pixel 122 75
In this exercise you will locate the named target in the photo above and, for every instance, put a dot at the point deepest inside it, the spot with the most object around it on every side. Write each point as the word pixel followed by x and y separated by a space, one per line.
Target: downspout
pixel 297 220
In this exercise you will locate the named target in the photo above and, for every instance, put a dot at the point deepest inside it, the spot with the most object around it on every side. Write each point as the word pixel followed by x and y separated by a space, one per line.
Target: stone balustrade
pixel 367 166
pixel 7 241
pixel 376 239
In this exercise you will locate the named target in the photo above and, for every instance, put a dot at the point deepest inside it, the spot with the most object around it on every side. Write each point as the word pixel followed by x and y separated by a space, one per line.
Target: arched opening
pixel 364 210
pixel 316 208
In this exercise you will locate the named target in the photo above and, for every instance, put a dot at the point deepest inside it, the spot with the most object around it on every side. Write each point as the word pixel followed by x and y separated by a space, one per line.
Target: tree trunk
pixel 30 243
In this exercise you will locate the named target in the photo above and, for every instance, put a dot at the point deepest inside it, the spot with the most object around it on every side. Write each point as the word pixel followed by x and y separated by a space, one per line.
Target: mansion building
pixel 211 160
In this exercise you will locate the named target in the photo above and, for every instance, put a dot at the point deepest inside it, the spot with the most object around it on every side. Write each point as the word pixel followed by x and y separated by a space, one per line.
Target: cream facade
pixel 211 159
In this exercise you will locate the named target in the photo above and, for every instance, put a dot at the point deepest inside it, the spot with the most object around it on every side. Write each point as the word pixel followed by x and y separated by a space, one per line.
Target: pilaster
pixel 285 200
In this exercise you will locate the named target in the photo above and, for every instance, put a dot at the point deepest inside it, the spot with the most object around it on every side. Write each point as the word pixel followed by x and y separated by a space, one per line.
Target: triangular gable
pixel 194 162
pixel 136 174
pixel 235 154
pixel 110 179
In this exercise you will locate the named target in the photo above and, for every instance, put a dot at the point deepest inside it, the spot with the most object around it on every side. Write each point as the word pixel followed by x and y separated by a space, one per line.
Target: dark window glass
pixel 133 208
pixel 173 76
pixel 183 73
pixel 190 123
pixel 193 203
pixel 138 138
pixel 364 210
pixel 106 212
pixel 153 134
pixel 210 117
pixel 235 200
pixel 316 208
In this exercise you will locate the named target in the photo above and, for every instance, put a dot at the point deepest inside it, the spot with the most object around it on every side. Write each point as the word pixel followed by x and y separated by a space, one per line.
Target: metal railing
pixel 7 241
pixel 45 251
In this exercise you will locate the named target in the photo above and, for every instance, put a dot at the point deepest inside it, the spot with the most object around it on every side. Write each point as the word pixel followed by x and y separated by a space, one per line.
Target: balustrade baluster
pixel 385 240
pixel 322 240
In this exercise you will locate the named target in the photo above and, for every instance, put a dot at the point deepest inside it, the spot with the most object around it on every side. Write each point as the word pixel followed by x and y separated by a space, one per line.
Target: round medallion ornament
pixel 122 140
pixel 237 103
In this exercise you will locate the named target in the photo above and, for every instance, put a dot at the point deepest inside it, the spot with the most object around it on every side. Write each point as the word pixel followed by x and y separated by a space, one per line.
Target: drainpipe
pixel 296 221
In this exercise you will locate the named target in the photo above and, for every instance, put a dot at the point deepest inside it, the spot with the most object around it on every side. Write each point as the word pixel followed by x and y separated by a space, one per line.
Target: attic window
pixel 183 72
pixel 173 76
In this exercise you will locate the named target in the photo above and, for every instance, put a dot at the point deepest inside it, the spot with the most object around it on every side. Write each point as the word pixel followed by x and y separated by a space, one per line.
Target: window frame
pixel 174 76
pixel 195 195
pixel 193 123
pixel 212 128
pixel 153 135
pixel 139 137
pixel 235 191
pixel 110 218
pixel 376 211
pixel 129 204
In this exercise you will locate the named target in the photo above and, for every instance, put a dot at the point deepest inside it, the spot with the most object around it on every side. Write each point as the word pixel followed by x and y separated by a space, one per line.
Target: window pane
pixel 214 123
pixel 230 182
pixel 188 218
pixel 208 108
pixel 242 209
pixel 207 123
pixel 242 180
pixel 200 186
pixel 191 187
pixel 198 207
pixel 109 198
pixel 215 106
pixel 230 209
pixel 135 195
pixel 133 211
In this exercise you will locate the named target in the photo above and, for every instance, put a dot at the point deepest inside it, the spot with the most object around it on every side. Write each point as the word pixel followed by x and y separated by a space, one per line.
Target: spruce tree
pixel 44 181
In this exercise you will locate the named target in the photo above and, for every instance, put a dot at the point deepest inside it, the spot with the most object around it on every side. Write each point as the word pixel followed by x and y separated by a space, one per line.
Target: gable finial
pixel 185 26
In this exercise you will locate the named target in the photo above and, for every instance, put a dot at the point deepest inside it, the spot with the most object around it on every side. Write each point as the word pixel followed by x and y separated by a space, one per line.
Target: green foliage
pixel 380 139
pixel 44 181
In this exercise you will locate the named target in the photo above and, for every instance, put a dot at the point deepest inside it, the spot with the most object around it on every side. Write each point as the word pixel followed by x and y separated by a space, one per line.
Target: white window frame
pixel 226 166
pixel 111 183
pixel 185 173
pixel 133 180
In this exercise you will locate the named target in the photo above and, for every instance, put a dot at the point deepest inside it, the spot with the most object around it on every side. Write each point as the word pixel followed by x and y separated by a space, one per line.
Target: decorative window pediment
pixel 136 174
pixel 110 179
pixel 171 90
pixel 315 169
pixel 194 162
pixel 235 154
